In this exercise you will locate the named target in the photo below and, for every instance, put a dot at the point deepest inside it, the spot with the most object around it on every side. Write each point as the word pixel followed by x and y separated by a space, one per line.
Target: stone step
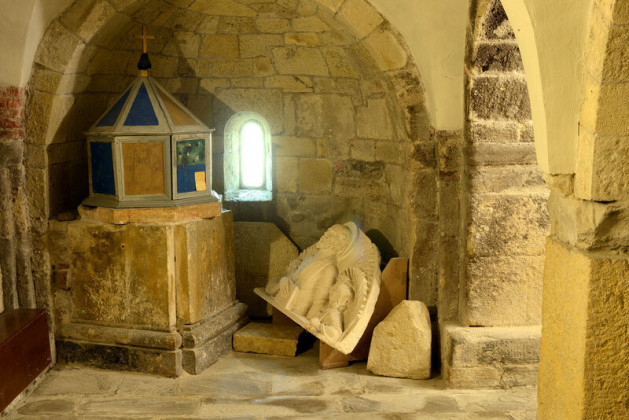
pixel 264 338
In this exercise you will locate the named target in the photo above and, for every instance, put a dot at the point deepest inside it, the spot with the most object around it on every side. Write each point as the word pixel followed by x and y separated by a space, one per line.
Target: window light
pixel 252 155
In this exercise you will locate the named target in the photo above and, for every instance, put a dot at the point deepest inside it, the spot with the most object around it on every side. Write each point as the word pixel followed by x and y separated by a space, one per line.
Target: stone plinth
pixel 157 296
pixel 490 357
pixel 150 215
pixel 275 339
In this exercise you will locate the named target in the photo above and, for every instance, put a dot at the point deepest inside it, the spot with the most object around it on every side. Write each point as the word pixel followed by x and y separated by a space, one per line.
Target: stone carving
pixel 331 288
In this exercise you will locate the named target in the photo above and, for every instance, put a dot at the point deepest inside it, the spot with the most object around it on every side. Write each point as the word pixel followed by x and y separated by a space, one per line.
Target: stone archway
pixel 372 157
pixel 584 351
pixel 491 300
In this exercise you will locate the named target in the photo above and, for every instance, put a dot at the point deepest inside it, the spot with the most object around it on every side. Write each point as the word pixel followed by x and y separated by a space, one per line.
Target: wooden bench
pixel 24 350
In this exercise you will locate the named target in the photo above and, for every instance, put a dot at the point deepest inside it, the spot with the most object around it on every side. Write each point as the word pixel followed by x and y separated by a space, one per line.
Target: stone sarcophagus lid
pixel 148 150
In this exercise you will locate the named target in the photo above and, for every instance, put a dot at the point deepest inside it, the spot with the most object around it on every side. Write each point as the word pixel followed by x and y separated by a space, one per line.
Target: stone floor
pixel 250 386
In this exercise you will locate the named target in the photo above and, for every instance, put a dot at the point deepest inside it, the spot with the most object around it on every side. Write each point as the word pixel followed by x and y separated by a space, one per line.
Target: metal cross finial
pixel 144 37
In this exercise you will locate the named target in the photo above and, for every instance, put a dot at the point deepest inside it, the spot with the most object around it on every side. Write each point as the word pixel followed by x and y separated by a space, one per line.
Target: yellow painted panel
pixel 143 168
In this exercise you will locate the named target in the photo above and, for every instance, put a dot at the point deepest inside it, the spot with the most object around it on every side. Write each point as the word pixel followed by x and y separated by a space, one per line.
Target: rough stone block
pixel 373 121
pixel 150 215
pixel 505 179
pixel 290 83
pixel 493 131
pixel 86 18
pixel 279 340
pixel 490 357
pixel 206 282
pixel 325 115
pixel 122 274
pixel 315 176
pixel 364 150
pixel 219 46
pixel 501 57
pixel 500 154
pixel 305 39
pixel 294 146
pixel 500 98
pixel 612 114
pixel 156 361
pixel 332 5
pixel 310 24
pixel 57 47
pixel 206 341
pixel 233 68
pixel 222 7
pixel 562 352
pixel 300 61
pixel 388 152
pixel 362 179
pixel 401 343
pixel 588 224
pixel 360 16
pixel 286 170
pixel 504 290
pixel 616 60
pixel 602 167
pixel 386 50
pixel 262 252
pixel 339 63
pixel 273 25
pixel 256 45
pixel 513 224
pixel 185 44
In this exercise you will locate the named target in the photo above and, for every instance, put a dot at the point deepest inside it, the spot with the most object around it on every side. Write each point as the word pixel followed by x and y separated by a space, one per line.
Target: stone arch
pixel 502 219
pixel 585 329
pixel 359 64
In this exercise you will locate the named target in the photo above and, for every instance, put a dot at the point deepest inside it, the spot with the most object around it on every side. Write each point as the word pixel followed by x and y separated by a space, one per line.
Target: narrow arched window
pixel 252 155
pixel 247 158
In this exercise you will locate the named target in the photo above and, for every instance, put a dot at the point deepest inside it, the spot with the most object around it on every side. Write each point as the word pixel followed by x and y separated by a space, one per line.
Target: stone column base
pixel 194 348
pixel 205 341
pixel 113 356
pixel 490 357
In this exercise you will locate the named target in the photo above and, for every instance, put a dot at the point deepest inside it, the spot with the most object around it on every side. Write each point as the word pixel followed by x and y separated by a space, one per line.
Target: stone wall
pixel 351 137
pixel 507 219
pixel 16 288
pixel 493 239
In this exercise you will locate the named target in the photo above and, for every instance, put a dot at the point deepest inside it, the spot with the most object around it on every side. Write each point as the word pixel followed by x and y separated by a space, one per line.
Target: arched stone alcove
pixel 343 98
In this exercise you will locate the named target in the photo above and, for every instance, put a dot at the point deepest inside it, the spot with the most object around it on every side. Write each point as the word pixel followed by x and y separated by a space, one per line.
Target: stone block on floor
pixel 257 337
pixel 401 344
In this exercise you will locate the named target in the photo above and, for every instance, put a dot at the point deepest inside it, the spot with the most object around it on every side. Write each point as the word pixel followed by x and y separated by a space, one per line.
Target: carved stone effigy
pixel 331 288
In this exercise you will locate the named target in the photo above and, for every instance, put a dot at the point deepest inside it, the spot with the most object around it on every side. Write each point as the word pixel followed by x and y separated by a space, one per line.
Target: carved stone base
pixel 490 357
pixel 112 356
pixel 207 340
pixel 163 353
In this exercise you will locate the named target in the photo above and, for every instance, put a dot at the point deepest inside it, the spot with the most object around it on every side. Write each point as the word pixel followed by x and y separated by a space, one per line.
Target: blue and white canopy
pixel 146 108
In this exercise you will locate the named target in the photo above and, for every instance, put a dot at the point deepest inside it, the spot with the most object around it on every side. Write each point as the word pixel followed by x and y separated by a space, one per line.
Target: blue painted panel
pixel 142 112
pixel 185 177
pixel 102 168
pixel 110 118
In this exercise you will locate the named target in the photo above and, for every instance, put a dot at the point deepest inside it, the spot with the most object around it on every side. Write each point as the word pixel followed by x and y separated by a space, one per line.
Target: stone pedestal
pixel 490 357
pixel 155 296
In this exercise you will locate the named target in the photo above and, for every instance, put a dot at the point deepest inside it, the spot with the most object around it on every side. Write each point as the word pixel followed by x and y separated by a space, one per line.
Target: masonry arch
pixel 353 117
pixel 584 350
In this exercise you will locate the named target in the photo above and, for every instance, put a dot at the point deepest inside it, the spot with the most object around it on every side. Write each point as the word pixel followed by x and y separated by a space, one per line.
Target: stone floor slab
pixel 252 386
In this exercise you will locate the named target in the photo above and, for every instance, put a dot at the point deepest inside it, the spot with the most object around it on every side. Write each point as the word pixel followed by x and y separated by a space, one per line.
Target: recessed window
pixel 247 158
pixel 252 155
